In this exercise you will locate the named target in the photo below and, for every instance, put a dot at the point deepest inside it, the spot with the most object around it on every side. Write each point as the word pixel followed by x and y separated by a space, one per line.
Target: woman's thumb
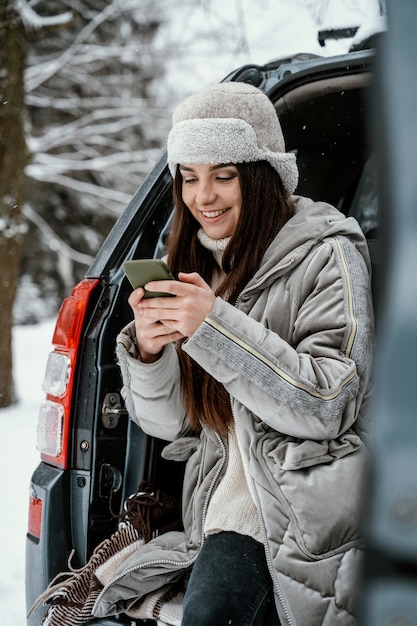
pixel 193 278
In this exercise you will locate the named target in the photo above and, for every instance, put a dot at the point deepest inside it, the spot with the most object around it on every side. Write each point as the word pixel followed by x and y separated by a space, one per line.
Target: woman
pixel 256 371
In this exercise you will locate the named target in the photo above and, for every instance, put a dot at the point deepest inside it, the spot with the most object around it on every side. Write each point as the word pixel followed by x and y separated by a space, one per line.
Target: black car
pixel 89 447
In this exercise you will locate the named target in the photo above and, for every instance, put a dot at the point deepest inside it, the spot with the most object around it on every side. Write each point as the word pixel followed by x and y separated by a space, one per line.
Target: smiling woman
pixel 260 393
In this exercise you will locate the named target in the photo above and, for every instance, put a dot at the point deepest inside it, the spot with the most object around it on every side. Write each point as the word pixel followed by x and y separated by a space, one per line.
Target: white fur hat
pixel 230 123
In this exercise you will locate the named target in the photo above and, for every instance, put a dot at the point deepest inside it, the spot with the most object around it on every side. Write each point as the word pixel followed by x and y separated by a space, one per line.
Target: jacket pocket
pixel 294 454
pixel 322 493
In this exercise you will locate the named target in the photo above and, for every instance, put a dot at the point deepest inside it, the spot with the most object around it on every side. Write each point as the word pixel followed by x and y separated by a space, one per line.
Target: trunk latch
pixel 111 410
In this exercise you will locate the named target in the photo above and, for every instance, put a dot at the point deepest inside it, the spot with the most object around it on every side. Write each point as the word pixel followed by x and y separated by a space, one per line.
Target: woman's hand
pixel 163 320
pixel 151 335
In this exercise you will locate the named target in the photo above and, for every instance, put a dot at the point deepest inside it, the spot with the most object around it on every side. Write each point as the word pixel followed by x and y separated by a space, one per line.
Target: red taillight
pixel 55 410
pixel 35 517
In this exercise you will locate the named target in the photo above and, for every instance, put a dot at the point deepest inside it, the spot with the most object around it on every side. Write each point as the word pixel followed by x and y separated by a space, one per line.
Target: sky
pixel 214 37
pixel 271 29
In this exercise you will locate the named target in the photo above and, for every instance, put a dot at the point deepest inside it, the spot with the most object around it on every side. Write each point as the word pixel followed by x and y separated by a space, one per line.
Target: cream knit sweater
pixel 232 506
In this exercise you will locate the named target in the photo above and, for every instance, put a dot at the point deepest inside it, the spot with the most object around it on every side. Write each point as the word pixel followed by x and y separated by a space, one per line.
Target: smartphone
pixel 142 271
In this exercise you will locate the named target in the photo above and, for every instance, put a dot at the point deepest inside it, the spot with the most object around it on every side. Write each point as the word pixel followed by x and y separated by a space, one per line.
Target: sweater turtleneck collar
pixel 212 244
pixel 216 246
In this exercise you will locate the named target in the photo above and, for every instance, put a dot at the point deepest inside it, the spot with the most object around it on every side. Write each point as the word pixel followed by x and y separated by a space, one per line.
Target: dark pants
pixel 230 584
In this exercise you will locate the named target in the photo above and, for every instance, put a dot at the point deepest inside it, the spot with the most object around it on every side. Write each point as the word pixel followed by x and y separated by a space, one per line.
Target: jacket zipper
pixel 266 544
pixel 143 565
pixel 190 562
pixel 269 560
pixel 213 482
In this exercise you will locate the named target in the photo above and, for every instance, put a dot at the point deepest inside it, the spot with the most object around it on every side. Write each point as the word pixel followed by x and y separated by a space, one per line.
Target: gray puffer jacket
pixel 295 356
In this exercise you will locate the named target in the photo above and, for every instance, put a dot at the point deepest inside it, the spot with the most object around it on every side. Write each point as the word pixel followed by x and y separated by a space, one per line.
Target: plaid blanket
pixel 71 595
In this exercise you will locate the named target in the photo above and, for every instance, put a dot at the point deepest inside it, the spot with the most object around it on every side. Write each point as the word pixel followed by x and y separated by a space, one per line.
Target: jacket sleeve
pixel 310 383
pixel 152 391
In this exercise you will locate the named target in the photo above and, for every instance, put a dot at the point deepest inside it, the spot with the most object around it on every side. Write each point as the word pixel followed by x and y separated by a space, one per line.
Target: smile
pixel 214 213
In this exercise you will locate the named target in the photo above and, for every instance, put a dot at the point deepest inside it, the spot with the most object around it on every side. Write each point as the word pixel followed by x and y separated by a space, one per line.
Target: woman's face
pixel 212 194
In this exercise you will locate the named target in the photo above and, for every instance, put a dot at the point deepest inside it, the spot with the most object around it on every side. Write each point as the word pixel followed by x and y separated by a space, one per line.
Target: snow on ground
pixel 18 459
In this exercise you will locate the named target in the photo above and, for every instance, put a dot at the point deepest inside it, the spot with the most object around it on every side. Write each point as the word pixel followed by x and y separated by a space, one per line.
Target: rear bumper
pixel 47 555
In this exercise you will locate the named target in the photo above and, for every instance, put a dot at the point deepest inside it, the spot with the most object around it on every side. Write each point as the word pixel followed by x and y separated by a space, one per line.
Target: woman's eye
pixel 188 181
pixel 225 178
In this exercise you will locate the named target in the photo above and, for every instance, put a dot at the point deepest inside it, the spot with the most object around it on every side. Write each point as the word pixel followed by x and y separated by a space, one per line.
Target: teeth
pixel 214 213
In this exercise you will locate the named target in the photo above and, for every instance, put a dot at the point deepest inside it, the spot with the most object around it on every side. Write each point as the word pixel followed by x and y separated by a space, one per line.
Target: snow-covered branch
pixel 71 134
pixel 58 164
pixel 77 103
pixel 118 197
pixel 33 20
pixel 56 242
pixel 38 74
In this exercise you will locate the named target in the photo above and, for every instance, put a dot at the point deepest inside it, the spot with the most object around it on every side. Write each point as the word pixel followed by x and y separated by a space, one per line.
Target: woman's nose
pixel 205 193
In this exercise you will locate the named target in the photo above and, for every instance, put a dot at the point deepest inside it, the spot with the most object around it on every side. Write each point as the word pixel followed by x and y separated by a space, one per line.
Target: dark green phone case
pixel 142 271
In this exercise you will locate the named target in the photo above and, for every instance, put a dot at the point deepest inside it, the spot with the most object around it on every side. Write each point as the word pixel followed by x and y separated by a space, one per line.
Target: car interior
pixel 327 124
pixel 324 122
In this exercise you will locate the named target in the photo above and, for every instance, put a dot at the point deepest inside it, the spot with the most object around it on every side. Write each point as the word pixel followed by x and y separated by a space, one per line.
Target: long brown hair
pixel 265 209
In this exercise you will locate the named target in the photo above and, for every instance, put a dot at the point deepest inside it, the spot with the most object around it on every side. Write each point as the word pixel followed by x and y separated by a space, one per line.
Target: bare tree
pixel 95 84
pixel 95 129
pixel 88 133
pixel 99 117
pixel 12 163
